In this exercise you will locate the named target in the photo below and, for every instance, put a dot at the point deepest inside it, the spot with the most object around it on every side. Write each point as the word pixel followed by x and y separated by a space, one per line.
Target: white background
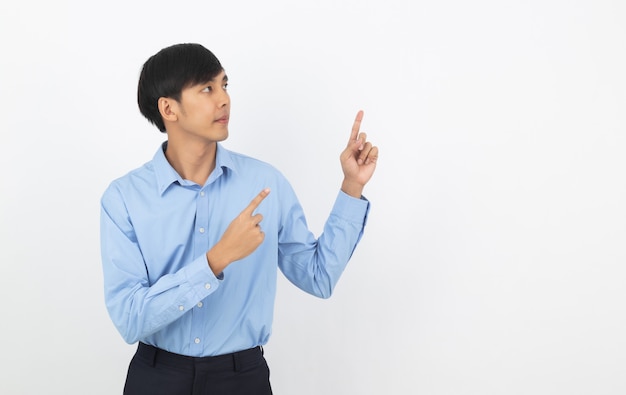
pixel 494 257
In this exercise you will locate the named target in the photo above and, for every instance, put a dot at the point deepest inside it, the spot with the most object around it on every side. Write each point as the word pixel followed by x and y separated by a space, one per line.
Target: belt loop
pixel 236 364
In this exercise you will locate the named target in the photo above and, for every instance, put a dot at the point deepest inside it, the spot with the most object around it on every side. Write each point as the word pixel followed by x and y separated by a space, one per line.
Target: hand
pixel 358 160
pixel 240 239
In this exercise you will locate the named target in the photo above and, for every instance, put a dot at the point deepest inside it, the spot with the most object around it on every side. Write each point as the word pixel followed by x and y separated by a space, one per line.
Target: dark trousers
pixel 153 371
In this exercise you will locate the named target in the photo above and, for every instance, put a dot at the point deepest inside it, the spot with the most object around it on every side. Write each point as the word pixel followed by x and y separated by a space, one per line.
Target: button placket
pixel 201 245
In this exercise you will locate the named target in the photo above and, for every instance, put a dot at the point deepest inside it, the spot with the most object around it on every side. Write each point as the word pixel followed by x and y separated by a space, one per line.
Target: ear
pixel 168 108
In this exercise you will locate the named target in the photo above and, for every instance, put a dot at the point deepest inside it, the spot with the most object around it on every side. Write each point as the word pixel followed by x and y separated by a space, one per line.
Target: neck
pixel 193 160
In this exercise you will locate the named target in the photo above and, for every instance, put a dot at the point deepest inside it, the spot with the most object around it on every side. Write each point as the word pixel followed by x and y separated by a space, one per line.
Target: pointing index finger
pixel 256 201
pixel 356 126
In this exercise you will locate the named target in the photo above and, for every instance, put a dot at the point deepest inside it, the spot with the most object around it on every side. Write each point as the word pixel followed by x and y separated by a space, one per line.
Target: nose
pixel 224 98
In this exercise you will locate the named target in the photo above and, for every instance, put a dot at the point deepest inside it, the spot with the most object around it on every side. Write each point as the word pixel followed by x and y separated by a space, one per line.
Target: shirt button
pixel 199 304
pixel 202 193
pixel 201 230
pixel 197 340
pixel 181 307
pixel 207 286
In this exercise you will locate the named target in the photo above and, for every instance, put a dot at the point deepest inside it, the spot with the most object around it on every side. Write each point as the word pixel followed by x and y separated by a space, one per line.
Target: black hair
pixel 168 72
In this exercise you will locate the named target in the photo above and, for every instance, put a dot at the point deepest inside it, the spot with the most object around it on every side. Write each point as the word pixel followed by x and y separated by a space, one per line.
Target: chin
pixel 223 137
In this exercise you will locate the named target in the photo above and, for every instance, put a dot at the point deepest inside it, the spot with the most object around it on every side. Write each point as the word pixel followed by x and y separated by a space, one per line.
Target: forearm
pixel 139 309
pixel 315 266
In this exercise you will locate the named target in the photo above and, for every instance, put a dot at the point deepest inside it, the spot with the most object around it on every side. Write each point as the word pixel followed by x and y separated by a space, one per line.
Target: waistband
pixel 237 361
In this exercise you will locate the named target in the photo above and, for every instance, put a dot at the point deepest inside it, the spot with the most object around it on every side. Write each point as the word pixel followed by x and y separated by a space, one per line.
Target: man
pixel 192 240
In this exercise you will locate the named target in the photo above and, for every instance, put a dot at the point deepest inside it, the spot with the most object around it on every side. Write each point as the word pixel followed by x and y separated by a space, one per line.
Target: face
pixel 204 110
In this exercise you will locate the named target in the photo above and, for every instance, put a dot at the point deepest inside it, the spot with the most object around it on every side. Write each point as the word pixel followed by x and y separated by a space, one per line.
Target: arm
pixel 138 306
pixel 316 265
pixel 313 265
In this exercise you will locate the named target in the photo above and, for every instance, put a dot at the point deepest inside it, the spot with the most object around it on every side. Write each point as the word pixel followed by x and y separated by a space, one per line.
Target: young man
pixel 192 240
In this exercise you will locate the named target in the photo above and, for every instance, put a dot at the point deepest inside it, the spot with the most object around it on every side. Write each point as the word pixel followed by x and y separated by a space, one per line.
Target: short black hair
pixel 171 70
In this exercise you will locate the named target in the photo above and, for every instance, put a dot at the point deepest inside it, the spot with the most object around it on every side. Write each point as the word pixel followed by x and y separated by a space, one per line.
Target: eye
pixel 207 89
pixel 225 86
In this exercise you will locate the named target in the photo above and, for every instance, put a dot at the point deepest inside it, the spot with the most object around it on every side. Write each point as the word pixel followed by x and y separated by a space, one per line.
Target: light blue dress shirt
pixel 157 227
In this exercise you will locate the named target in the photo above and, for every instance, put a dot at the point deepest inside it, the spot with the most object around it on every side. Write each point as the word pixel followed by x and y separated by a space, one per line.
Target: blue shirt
pixel 157 227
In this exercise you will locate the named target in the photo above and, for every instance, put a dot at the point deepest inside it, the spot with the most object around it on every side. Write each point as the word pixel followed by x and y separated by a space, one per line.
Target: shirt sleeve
pixel 138 308
pixel 316 265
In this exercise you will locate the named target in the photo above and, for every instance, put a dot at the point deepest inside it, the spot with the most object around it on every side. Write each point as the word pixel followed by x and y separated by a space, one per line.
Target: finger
pixel 365 150
pixel 354 148
pixel 372 156
pixel 360 141
pixel 256 201
pixel 356 126
pixel 256 220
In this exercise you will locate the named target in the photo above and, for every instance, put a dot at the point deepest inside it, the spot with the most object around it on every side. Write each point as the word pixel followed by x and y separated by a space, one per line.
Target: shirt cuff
pixel 201 278
pixel 350 208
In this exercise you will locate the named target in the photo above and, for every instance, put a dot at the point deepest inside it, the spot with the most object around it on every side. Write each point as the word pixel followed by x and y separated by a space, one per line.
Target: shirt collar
pixel 166 175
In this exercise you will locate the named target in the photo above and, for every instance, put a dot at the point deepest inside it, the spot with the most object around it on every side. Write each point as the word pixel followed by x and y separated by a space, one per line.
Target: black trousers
pixel 153 371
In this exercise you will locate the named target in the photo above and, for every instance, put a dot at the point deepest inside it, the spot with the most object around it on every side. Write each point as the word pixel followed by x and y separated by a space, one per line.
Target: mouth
pixel 223 119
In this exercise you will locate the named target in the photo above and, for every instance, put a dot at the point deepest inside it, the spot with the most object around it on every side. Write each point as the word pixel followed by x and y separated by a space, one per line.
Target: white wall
pixel 494 258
